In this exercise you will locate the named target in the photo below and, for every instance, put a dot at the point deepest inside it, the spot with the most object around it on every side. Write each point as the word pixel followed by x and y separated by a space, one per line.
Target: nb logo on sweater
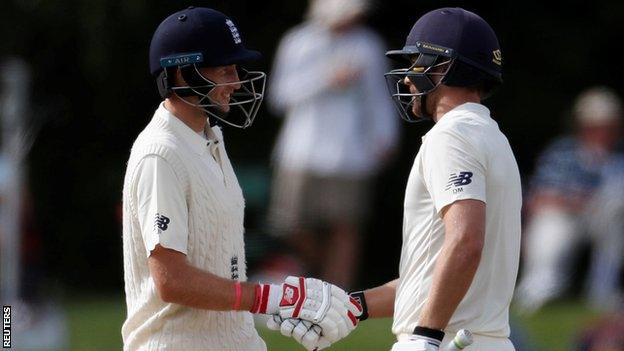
pixel 458 180
pixel 162 222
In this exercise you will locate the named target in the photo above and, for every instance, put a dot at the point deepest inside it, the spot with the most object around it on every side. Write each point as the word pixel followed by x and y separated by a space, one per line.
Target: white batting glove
pixel 311 300
pixel 423 339
pixel 342 318
pixel 415 344
pixel 306 333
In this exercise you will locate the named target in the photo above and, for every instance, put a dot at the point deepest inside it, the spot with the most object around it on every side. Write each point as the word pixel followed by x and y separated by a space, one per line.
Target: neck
pixel 191 116
pixel 451 97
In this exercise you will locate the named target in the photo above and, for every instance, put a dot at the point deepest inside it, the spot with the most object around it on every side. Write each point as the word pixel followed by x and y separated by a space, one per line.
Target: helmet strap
pixel 423 107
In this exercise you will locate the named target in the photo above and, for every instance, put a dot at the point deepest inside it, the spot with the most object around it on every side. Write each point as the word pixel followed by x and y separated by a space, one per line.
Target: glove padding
pixel 417 343
pixel 312 300
pixel 304 332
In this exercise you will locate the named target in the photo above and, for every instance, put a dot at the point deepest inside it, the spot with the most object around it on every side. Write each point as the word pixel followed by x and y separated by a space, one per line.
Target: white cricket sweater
pixel 215 244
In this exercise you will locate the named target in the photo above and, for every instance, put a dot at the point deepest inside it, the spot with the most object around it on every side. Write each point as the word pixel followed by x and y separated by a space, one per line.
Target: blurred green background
pixel 94 324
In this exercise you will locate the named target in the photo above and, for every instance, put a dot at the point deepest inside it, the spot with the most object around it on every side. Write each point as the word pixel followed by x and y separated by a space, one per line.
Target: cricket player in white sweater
pixel 184 257
pixel 461 230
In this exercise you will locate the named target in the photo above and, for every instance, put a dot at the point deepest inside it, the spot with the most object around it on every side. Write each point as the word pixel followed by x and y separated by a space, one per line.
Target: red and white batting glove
pixel 311 300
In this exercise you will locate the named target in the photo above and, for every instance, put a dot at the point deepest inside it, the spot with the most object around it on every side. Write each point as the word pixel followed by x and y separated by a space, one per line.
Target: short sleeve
pixel 453 170
pixel 161 206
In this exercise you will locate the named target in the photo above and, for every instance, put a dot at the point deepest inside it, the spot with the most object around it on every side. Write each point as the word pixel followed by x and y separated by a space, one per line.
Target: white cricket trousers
pixel 482 343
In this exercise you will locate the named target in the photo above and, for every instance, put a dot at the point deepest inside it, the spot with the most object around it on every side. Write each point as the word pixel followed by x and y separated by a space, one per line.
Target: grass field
pixel 95 323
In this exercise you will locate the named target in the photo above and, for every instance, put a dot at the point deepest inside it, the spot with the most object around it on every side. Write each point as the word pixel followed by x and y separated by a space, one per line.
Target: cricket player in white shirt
pixel 461 230
pixel 184 256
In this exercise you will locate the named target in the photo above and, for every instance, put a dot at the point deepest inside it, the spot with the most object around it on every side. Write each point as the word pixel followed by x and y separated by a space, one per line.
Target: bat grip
pixel 462 339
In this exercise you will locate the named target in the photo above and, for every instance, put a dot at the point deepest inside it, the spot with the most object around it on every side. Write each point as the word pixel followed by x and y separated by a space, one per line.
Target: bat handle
pixel 462 339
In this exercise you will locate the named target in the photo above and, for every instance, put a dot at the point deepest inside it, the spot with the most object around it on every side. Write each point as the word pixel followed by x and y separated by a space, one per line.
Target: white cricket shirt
pixel 464 156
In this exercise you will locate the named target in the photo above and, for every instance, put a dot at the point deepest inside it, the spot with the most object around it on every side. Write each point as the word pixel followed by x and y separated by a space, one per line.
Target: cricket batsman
pixel 461 229
pixel 184 257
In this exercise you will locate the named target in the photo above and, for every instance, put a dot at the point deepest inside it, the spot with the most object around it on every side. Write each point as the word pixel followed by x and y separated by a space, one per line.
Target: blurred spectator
pixel 605 219
pixel 577 196
pixel 339 130
pixel 606 334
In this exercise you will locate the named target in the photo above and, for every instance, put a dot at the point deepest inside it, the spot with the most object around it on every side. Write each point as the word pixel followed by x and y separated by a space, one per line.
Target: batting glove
pixel 423 339
pixel 312 300
pixel 306 333
pixel 361 299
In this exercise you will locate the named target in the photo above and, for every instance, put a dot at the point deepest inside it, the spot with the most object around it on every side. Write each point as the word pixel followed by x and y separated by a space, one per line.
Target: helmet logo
pixel 179 60
pixel 234 30
pixel 498 57
pixel 433 47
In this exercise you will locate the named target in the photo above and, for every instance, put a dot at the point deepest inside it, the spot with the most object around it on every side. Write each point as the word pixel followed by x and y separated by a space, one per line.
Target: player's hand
pixel 312 300
pixel 423 339
pixel 343 77
pixel 306 333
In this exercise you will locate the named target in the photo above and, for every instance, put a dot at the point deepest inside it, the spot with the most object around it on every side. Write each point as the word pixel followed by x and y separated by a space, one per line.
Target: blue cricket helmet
pixel 455 33
pixel 201 37
pixel 198 30
pixel 452 36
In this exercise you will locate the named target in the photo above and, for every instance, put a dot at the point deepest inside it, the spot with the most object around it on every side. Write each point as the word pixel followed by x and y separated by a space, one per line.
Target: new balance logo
pixel 458 180
pixel 162 222
pixel 290 295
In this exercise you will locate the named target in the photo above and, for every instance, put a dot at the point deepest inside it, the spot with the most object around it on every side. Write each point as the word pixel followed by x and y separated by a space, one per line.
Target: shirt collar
pixel 468 107
pixel 472 108
pixel 195 141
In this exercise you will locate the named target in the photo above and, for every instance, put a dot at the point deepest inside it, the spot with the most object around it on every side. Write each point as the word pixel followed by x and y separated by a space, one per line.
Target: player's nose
pixel 237 81
pixel 237 84
pixel 411 86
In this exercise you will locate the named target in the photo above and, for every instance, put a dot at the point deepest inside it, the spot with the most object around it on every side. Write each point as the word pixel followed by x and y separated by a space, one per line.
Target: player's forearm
pixel 199 289
pixel 457 263
pixel 178 282
pixel 380 300
pixel 453 274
